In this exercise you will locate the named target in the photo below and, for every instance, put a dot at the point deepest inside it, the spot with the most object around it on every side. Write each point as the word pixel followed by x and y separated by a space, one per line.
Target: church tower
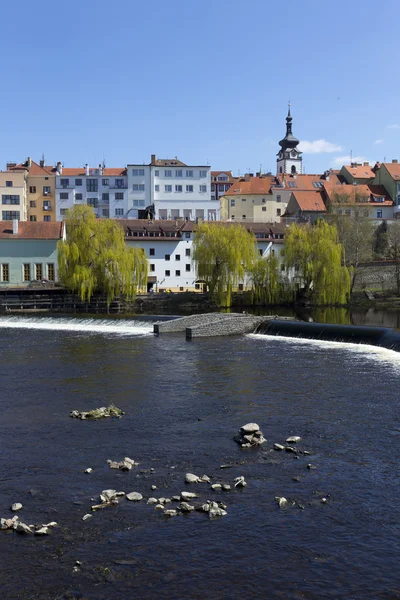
pixel 289 159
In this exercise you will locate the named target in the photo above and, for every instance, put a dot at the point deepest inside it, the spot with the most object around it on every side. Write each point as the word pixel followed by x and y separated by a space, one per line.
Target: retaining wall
pixel 182 323
pixel 235 325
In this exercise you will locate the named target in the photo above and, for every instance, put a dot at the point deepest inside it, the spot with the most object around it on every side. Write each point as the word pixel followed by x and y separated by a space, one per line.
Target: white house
pixel 106 190
pixel 168 189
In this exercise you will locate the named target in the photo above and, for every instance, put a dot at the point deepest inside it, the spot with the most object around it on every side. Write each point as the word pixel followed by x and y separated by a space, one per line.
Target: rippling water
pixel 184 401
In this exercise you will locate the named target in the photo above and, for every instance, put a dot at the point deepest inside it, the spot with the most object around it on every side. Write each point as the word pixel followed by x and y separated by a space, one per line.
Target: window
pixel 119 195
pixel 9 183
pixel 189 188
pixel 222 178
pixel 233 217
pixel 5 272
pixel 318 184
pixel 156 173
pixel 187 267
pixel 232 203
pixel 203 173
pixel 119 183
pixel 138 203
pixel 32 189
pixel 39 271
pixel 264 208
pixel 138 187
pixel 196 286
pixel 278 198
pixel 119 212
pixel 278 212
pixel 203 188
pixel 78 182
pixel 167 273
pixel 167 257
pixel 260 252
pixel 178 173
pixel 152 252
pixel 46 178
pixel 105 182
pixel 379 214
pixel 138 172
pixel 46 205
pixel 221 187
pixel 243 199
pixel 105 197
pixel 105 212
pixel 156 188
pixel 32 204
pixel 27 272
pixel 50 271
pixel 178 188
pixel 168 188
pixel 46 190
pixel 187 252
pixel 244 217
pixel 78 196
pixel 189 173
pixel 187 234
pixel 33 218
pixel 64 195
pixel 152 267
pixel 10 199
pixel 177 257
pixel 47 218
pixel 92 202
pixel 177 273
pixel 181 289
pixel 92 185
pixel 63 212
pixel 167 173
pixel 240 287
pixel 292 184
pixel 64 182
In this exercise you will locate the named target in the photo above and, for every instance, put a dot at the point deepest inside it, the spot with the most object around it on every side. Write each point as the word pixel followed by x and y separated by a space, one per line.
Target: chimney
pixel 87 169
pixel 100 170
pixel 29 162
pixel 59 168
pixel 42 162
pixel 395 161
pixel 15 226
pixel 153 159
pixel 366 164
pixel 10 166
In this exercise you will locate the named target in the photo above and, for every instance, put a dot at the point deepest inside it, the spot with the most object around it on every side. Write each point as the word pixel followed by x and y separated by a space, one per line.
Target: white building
pixel 289 159
pixel 106 190
pixel 168 189
pixel 169 250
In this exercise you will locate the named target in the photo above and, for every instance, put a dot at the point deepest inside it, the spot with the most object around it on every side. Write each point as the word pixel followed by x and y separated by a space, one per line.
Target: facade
pixel 13 194
pixel 168 189
pixel 388 175
pixel 250 199
pixel 169 250
pixel 28 252
pixel 106 190
pixel 369 201
pixel 221 182
pixel 289 159
pixel 40 190
pixel 357 173
pixel 305 206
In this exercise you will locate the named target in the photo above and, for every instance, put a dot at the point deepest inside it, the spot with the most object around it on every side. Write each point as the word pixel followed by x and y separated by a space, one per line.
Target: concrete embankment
pixel 211 324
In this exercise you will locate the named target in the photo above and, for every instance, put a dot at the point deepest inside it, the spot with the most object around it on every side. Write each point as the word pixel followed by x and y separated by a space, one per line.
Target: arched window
pixel 293 169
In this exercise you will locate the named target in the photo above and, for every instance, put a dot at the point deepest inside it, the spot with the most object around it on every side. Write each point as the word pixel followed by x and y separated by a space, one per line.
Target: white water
pixel 92 326
pixel 377 353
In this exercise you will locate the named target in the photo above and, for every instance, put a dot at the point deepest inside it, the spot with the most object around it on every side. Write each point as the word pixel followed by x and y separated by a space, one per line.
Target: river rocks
pixel 16 506
pixel 214 509
pixel 88 470
pixel 153 487
pixel 86 517
pixel 250 435
pixel 216 486
pixel 282 502
pixel 226 487
pixel 205 479
pixel 152 501
pixel 293 439
pixel 176 498
pixel 42 531
pixel 159 507
pixel 134 497
pixel 186 507
pixel 240 482
pixel 108 495
pixel 23 528
pixel 279 447
pixel 124 465
pixel 190 478
pixel 291 449
pixel 20 527
pixel 188 495
pixel 98 413
pixel 170 513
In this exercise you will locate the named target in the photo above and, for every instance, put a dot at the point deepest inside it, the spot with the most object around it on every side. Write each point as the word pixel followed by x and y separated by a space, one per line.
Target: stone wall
pixel 235 325
pixel 182 323
pixel 377 275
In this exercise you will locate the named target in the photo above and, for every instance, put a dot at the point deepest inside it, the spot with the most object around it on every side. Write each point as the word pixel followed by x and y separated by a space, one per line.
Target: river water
pixel 184 401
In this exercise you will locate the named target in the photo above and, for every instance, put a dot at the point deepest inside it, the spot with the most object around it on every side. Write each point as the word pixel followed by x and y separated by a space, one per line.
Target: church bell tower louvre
pixel 289 159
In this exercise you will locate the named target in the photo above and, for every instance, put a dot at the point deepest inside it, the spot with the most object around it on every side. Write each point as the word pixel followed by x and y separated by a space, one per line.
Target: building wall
pixel 17 252
pixel 18 188
pixel 286 165
pixel 384 178
pixel 41 205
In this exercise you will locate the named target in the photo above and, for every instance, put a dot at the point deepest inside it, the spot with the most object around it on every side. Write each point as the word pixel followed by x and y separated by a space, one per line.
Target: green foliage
pixel 268 286
pixel 394 250
pixel 223 253
pixel 380 241
pixel 95 258
pixel 316 255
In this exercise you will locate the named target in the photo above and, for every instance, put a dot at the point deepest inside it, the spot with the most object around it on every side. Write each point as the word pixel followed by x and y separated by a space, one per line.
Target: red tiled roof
pixel 360 171
pixel 255 185
pixel 357 194
pixel 112 172
pixel 309 200
pixel 393 169
pixel 32 230
pixel 34 169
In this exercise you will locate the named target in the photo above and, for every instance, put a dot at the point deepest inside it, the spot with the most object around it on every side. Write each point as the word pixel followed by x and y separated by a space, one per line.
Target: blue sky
pixel 208 82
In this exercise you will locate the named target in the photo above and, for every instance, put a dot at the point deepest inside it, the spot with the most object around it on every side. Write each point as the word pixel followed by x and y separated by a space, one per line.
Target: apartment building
pixel 169 189
pixel 104 189
pixel 253 199
pixel 221 182
pixel 40 190
pixel 13 185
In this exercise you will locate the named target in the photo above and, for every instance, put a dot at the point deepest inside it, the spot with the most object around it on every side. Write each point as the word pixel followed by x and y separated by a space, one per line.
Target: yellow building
pixel 40 185
pixel 13 194
pixel 252 199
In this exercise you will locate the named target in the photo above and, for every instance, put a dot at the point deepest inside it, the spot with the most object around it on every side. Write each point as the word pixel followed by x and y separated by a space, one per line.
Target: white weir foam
pixel 102 326
pixel 378 353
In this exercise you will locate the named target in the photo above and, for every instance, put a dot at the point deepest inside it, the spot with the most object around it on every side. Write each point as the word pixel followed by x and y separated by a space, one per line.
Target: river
pixel 183 403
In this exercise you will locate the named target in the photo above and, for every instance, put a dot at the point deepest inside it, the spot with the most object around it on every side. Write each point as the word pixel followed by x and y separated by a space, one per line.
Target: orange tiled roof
pixel 255 185
pixel 34 169
pixel 360 171
pixel 32 230
pixel 72 172
pixel 357 194
pixel 309 200
pixel 393 169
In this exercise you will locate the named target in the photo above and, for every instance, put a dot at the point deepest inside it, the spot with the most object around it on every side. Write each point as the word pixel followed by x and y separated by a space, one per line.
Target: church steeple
pixel 289 157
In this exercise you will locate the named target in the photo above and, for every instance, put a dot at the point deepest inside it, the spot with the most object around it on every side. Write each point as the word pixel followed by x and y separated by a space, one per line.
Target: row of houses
pixel 28 250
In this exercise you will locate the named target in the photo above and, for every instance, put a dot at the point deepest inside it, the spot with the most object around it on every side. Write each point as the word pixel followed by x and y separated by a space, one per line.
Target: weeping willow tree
pixel 95 258
pixel 268 286
pixel 223 254
pixel 315 254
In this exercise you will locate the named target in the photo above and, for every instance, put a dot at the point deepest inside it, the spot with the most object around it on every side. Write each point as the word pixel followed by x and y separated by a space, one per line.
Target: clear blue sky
pixel 206 81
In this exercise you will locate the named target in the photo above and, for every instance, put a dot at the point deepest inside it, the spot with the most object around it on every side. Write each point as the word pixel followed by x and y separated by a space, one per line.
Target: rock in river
pixel 134 496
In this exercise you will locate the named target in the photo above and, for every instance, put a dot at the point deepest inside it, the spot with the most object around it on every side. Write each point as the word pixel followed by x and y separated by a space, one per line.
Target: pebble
pixel 309 467
pixel 185 507
pixel 191 478
pixel 88 470
pixel 216 486
pixel 134 496
pixel 293 439
pixel 17 506
pixel 152 501
pixel 86 517
pixel 296 478
pixel 240 482
pixel 42 531
pixel 226 487
pixel 282 502
pixel 250 428
pixel 188 495
pixel 153 487
pixel 279 447
pixel 170 513
pixel 323 500
pixel 159 507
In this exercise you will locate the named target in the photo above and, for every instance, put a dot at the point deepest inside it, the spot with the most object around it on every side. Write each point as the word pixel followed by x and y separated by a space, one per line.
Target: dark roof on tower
pixel 289 141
